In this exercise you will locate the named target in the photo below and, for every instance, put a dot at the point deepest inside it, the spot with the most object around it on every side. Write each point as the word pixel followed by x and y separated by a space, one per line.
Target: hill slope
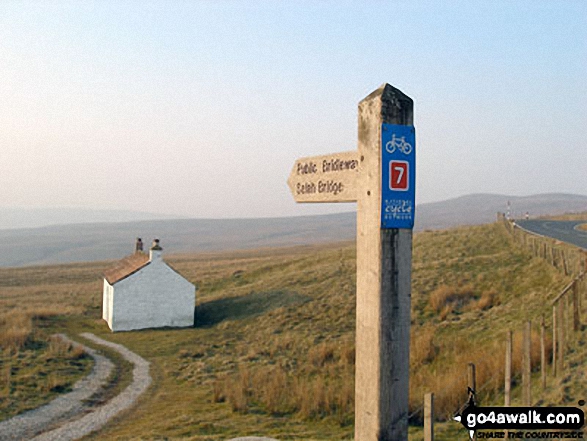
pixel 478 209
pixel 87 242
pixel 97 241
pixel 272 350
pixel 11 218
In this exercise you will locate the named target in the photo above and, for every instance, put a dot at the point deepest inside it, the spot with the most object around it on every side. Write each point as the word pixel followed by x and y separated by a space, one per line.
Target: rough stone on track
pixel 32 422
pixel 55 421
pixel 99 417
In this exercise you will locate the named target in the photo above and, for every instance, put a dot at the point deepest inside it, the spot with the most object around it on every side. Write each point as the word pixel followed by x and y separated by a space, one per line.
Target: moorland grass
pixel 36 371
pixel 272 351
pixel 567 216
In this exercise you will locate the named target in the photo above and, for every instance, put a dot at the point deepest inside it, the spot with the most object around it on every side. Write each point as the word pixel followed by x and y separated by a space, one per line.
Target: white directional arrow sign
pixel 326 178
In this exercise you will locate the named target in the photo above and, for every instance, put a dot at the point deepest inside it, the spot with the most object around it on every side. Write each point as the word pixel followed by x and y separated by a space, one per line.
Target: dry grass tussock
pixel 277 339
pixel 37 371
pixel 17 327
pixel 324 387
pixel 33 366
pixel 422 348
pixel 469 287
pixel 59 348
pixel 442 367
pixel 449 299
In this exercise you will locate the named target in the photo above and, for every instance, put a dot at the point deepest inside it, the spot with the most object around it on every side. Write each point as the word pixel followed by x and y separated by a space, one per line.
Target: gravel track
pixel 32 422
pixel 46 418
pixel 99 417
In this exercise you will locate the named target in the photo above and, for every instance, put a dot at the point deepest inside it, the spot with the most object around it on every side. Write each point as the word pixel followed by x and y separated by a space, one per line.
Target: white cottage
pixel 142 291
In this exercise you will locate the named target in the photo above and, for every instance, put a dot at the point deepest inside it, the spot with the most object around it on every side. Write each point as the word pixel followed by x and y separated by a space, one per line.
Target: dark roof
pixel 127 266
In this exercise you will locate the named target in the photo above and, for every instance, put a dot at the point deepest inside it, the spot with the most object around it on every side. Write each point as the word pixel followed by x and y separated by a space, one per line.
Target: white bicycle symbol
pixel 400 144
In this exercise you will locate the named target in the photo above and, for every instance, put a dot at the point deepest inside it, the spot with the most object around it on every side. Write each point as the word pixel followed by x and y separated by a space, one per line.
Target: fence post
pixel 429 417
pixel 567 319
pixel 527 365
pixel 555 342
pixel 576 316
pixel 508 369
pixel 543 353
pixel 580 287
pixel 472 377
pixel 561 335
pixel 564 263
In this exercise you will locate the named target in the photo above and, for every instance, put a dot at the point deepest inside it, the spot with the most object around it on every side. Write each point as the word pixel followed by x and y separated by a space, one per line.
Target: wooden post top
pixel 396 106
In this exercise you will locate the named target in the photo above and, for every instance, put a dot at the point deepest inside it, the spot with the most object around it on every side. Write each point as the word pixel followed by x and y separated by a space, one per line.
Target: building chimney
pixel 139 245
pixel 155 251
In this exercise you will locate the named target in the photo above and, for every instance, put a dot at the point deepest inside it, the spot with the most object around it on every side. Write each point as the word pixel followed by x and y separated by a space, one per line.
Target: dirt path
pixel 56 420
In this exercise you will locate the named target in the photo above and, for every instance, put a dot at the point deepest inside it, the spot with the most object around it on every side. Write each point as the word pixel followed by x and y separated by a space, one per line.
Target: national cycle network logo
pixel 521 422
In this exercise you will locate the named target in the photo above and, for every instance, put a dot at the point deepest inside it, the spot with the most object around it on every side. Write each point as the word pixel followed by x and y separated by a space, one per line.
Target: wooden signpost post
pixel 380 177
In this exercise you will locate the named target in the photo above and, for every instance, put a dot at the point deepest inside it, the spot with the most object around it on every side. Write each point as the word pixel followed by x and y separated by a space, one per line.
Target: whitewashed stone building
pixel 142 291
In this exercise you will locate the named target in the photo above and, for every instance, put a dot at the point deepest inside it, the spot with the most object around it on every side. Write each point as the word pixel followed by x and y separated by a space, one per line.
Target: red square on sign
pixel 398 175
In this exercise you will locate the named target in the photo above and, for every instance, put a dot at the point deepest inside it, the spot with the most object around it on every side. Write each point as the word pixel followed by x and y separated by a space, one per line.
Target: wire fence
pixel 564 327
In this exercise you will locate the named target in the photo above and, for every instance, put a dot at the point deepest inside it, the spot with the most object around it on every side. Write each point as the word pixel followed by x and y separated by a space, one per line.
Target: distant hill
pixel 481 208
pixel 100 241
pixel 42 217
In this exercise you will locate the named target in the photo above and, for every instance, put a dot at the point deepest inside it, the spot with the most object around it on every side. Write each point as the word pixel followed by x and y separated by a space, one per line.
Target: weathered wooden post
pixel 380 177
pixel 555 342
pixel 508 369
pixel 561 336
pixel 542 353
pixel 576 316
pixel 384 265
pixel 581 288
pixel 429 417
pixel 527 366
pixel 472 377
pixel 567 318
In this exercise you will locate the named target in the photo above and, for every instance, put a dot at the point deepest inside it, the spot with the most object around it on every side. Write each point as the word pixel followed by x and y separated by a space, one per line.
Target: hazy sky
pixel 199 109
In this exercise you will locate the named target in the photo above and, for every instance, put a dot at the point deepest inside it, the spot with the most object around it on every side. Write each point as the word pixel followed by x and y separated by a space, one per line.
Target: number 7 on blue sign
pixel 398 176
pixel 399 172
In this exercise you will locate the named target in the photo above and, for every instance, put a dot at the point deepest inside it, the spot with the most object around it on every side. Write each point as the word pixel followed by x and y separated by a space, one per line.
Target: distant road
pixel 565 231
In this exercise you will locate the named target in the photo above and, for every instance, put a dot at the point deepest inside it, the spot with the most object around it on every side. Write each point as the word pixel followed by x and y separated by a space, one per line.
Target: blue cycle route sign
pixel 398 176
